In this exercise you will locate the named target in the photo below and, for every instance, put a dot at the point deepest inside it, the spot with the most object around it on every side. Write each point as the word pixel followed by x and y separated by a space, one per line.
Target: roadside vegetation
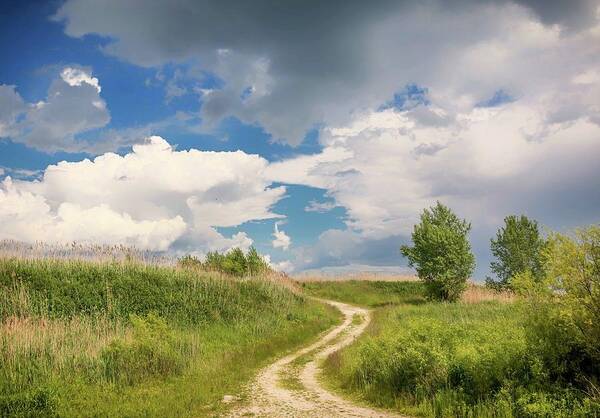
pixel 527 346
pixel 121 338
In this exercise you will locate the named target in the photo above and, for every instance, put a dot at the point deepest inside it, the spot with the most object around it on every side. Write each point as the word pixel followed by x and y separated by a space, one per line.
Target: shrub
pixel 441 253
pixel 564 307
pixel 151 353
pixel 518 248
pixel 234 262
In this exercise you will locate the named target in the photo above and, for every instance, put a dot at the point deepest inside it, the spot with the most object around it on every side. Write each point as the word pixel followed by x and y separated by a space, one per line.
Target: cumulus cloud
pixel 154 198
pixel 490 163
pixel 282 240
pixel 300 70
pixel 73 106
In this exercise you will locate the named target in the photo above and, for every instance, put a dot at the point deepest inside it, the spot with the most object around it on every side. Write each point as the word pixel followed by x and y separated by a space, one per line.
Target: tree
pixel 517 248
pixel 235 263
pixel 441 253
pixel 256 263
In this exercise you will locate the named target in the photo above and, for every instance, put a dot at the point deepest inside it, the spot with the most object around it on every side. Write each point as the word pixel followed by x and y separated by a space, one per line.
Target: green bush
pixel 152 352
pixel 564 308
pixel 441 252
pixel 234 262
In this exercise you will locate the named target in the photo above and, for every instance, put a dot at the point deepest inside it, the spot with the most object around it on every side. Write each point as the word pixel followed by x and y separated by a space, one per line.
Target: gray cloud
pixel 310 62
pixel 11 106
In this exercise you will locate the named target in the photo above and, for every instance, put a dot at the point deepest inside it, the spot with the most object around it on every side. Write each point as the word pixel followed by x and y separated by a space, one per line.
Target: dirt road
pixel 290 387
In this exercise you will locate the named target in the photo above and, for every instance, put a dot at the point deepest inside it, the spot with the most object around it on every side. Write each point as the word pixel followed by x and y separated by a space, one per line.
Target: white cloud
pixel 154 197
pixel 320 207
pixel 73 106
pixel 77 76
pixel 490 163
pixel 282 240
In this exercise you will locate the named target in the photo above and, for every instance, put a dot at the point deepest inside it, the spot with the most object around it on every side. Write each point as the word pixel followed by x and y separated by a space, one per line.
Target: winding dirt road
pixel 290 387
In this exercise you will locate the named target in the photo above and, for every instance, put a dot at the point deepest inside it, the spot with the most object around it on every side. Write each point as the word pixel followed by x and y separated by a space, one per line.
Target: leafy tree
pixel 517 248
pixel 214 261
pixel 235 263
pixel 256 263
pixel 441 253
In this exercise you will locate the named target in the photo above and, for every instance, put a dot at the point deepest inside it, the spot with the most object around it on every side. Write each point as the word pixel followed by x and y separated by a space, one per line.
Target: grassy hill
pixel 139 340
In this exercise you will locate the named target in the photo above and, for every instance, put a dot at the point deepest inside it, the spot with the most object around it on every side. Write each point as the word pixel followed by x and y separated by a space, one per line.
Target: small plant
pixel 441 253
pixel 517 248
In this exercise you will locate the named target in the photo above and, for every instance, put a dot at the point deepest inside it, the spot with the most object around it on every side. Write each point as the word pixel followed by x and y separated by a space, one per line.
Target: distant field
pixel 360 276
pixel 366 293
pixel 123 339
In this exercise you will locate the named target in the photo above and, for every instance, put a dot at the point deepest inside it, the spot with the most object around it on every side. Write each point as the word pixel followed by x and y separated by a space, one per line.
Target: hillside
pixel 139 340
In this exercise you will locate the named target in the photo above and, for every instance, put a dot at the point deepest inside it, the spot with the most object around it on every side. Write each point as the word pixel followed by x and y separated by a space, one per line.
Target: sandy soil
pixel 290 387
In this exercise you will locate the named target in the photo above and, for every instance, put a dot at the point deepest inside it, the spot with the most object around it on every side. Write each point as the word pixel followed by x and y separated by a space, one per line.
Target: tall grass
pixel 123 338
pixel 453 360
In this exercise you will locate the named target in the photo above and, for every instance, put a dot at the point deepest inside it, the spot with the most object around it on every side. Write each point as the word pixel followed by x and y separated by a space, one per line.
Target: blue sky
pixel 345 130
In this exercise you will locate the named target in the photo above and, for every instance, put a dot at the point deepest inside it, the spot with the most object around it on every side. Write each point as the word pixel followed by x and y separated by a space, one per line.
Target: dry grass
pixel 476 293
pixel 56 344
pixel 79 251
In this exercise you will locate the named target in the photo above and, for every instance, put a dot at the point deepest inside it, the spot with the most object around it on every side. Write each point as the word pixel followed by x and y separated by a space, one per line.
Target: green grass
pixel 451 360
pixel 367 293
pixel 119 339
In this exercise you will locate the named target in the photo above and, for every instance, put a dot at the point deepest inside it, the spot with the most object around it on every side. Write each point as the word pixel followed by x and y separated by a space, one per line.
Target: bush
pixel 564 308
pixel 441 253
pixel 234 262
pixel 518 248
pixel 151 353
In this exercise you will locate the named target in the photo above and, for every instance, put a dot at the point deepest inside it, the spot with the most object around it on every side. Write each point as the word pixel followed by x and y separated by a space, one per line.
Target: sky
pixel 315 131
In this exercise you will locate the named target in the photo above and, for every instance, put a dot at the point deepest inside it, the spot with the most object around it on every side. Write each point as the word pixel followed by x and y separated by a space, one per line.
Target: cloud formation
pixel 489 163
pixel 154 198
pixel 73 106
pixel 292 68
pixel 282 240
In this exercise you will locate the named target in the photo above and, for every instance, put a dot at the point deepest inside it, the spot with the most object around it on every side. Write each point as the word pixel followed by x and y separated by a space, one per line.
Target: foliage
pixel 564 308
pixel 122 339
pixel 537 357
pixel 464 360
pixel 441 252
pixel 234 262
pixel 151 352
pixel 517 248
